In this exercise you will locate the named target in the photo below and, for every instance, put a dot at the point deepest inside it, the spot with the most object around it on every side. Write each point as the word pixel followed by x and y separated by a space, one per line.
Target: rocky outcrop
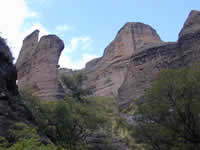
pixel 12 109
pixel 37 65
pixel 145 65
pixel 128 67
pixel 106 74
pixel 191 25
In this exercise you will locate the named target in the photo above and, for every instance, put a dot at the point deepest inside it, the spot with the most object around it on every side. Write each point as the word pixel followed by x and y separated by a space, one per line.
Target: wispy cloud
pixel 78 43
pixel 62 28
pixel 14 27
pixel 31 27
pixel 41 1
pixel 66 62
pixel 13 16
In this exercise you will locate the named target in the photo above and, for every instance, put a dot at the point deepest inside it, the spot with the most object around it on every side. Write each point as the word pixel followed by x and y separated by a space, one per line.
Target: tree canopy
pixel 169 116
pixel 75 85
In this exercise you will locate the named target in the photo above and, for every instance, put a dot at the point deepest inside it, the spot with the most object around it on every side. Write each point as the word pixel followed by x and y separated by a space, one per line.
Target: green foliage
pixel 75 84
pixel 71 121
pixel 169 116
pixel 118 127
pixel 5 50
pixel 68 123
pixel 27 139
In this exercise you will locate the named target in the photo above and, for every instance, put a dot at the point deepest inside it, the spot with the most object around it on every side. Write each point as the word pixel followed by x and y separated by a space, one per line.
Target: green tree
pixel 68 123
pixel 169 115
pixel 75 85
pixel 26 138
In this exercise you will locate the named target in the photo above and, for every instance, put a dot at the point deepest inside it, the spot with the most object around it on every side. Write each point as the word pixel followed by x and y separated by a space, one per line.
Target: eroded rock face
pixel 37 65
pixel 12 109
pixel 145 66
pixel 192 24
pixel 24 62
pixel 106 74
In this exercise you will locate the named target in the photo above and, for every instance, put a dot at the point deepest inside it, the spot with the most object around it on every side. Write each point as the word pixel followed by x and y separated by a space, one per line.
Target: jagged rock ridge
pixel 37 65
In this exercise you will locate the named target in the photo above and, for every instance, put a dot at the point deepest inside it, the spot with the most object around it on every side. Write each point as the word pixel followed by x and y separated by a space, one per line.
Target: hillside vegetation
pixel 168 116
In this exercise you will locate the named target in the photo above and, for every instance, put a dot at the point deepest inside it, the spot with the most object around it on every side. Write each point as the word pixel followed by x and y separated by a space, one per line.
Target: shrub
pixel 68 123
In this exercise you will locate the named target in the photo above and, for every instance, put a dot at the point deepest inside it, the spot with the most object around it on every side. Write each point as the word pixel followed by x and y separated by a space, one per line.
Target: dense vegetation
pixel 26 138
pixel 69 123
pixel 168 116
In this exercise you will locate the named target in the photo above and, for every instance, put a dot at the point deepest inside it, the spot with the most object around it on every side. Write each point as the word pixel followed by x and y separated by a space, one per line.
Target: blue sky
pixel 88 26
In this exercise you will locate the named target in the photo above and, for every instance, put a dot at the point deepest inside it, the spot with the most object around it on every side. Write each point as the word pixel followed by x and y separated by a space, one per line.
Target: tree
pixel 68 123
pixel 25 138
pixel 75 85
pixel 169 116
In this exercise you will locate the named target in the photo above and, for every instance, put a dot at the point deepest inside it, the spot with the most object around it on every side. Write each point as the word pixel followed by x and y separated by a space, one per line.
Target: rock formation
pixel 132 61
pixel 106 74
pixel 37 65
pixel 128 67
pixel 145 65
pixel 12 109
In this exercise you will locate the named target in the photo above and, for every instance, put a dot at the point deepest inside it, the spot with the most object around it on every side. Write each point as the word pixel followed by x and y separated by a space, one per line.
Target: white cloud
pixel 66 62
pixel 62 28
pixel 14 27
pixel 13 14
pixel 78 43
pixel 34 26
pixel 41 1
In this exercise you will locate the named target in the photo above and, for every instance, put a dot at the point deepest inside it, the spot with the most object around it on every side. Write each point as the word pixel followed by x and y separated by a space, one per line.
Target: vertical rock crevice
pixel 37 65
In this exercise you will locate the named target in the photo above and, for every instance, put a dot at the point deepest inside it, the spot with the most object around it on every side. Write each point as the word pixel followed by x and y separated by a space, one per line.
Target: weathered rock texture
pixel 145 65
pixel 132 61
pixel 127 68
pixel 12 109
pixel 37 65
pixel 106 74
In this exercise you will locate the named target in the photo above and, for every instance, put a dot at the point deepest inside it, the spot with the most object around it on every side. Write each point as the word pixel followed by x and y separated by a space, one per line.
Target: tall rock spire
pixel 37 65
